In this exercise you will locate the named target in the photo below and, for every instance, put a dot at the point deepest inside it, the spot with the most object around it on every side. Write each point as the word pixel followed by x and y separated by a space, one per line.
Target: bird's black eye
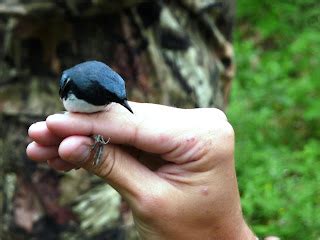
pixel 65 82
pixel 64 86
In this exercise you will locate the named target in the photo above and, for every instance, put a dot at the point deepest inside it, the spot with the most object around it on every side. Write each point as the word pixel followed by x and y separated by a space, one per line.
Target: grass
pixel 275 110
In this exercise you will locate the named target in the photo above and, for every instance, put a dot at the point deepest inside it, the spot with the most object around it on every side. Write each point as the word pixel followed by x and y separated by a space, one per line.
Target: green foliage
pixel 275 110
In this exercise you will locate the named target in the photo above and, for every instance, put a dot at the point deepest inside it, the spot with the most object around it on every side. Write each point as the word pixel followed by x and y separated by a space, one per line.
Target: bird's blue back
pixel 84 74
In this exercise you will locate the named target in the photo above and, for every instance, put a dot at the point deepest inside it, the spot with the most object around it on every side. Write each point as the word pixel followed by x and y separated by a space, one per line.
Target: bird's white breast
pixel 74 104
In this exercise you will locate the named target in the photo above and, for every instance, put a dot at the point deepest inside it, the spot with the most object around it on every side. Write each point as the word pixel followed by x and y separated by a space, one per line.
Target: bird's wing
pixel 114 83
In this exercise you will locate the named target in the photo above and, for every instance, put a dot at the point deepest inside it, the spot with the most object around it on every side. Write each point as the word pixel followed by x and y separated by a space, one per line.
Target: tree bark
pixel 176 53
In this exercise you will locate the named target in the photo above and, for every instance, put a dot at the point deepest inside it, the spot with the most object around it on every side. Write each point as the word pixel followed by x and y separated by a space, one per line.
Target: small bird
pixel 89 87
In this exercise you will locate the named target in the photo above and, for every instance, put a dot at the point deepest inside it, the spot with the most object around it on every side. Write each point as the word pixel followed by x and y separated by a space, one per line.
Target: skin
pixel 174 167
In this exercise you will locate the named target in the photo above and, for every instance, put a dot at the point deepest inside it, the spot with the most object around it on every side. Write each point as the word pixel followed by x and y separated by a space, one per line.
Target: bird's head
pixel 64 86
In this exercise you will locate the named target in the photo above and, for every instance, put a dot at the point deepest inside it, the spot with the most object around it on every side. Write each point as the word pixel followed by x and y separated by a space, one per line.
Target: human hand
pixel 174 167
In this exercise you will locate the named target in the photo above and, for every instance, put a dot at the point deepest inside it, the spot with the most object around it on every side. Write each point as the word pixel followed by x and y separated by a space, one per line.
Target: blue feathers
pixel 94 83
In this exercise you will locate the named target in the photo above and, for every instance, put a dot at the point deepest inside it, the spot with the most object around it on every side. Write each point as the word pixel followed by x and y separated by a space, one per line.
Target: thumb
pixel 118 164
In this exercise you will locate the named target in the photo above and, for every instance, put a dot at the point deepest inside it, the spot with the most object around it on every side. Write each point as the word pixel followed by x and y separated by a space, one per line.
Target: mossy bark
pixel 176 53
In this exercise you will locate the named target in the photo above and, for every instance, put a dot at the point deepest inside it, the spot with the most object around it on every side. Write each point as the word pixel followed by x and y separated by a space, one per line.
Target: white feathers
pixel 74 104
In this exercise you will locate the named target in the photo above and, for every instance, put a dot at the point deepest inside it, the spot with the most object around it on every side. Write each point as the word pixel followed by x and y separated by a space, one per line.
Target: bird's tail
pixel 126 105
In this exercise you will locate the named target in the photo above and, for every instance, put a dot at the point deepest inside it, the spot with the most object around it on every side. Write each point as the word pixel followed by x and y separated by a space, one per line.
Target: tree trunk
pixel 175 53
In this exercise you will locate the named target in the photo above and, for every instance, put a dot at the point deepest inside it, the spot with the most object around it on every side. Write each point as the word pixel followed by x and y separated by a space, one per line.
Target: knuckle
pixel 215 113
pixel 134 136
pixel 221 130
pixel 228 131
pixel 220 142
pixel 220 114
pixel 224 134
pixel 135 129
pixel 225 141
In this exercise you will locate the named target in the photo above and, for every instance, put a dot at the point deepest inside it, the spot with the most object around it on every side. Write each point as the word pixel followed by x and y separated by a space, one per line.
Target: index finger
pixel 117 124
pixel 152 128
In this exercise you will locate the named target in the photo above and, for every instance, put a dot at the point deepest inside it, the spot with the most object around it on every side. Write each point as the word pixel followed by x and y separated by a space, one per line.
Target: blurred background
pixel 275 110
pixel 180 53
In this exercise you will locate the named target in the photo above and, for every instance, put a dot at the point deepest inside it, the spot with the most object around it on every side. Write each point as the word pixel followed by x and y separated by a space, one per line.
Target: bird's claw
pixel 98 147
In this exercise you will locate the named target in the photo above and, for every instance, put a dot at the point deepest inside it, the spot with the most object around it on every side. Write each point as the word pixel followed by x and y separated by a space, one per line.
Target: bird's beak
pixel 126 105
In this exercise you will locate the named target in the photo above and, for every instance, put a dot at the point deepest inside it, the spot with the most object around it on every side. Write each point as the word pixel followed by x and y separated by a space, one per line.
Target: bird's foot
pixel 98 147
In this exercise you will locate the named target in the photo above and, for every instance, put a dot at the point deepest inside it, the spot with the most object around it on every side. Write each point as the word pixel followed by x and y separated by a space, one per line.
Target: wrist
pixel 248 234
pixel 236 232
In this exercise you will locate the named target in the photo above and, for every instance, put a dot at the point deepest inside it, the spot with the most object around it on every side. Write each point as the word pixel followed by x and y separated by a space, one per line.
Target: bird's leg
pixel 98 145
